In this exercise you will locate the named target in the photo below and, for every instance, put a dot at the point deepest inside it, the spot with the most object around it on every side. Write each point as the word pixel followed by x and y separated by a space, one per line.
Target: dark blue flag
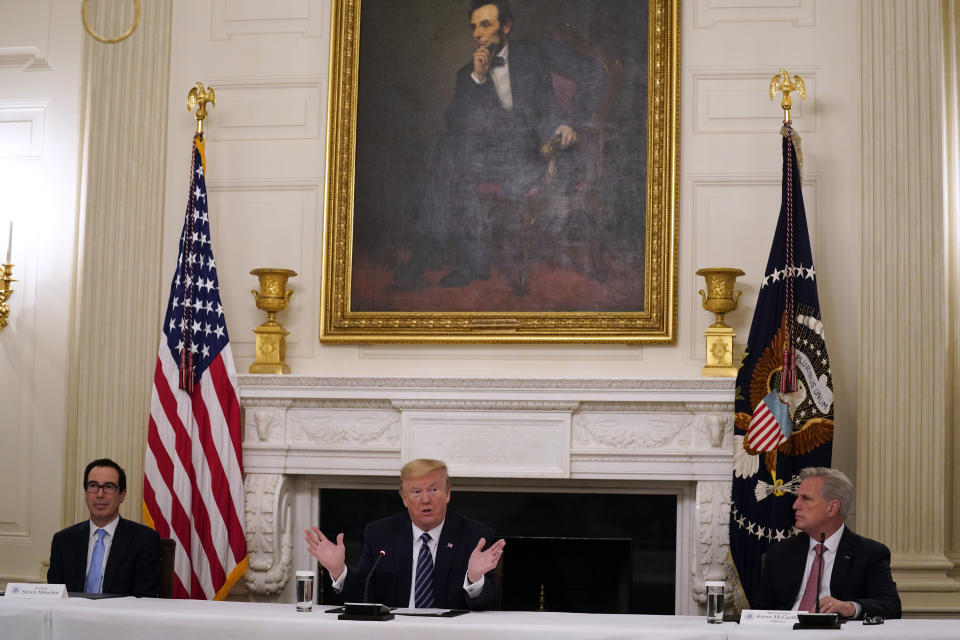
pixel 784 400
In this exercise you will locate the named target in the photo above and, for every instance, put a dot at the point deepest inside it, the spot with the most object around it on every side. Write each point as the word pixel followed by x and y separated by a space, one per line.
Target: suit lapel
pixel 797 560
pixel 842 563
pixel 403 534
pixel 446 548
pixel 518 70
pixel 80 543
pixel 118 548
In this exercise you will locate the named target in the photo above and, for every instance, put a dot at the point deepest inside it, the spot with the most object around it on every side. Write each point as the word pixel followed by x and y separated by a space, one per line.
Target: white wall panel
pixel 268 109
pixel 21 129
pixel 739 102
pixel 265 225
pixel 39 139
pixel 731 212
pixel 797 13
pixel 257 18
pixel 24 33
pixel 13 502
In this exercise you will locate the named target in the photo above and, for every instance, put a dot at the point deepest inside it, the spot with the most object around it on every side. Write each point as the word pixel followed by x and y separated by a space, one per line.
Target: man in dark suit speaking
pixel 106 554
pixel 853 572
pixel 432 557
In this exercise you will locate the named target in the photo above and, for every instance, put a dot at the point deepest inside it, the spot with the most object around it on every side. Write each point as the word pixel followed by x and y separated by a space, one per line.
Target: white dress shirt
pixel 501 79
pixel 110 528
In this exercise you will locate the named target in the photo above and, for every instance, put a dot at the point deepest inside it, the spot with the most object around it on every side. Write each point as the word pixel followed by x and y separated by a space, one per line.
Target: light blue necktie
pixel 95 575
pixel 423 586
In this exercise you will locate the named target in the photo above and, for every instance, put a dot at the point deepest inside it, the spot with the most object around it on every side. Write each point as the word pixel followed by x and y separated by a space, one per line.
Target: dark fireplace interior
pixel 577 552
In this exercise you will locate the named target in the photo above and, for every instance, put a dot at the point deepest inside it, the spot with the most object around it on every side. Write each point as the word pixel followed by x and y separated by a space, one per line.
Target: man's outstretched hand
pixel 329 554
pixel 483 561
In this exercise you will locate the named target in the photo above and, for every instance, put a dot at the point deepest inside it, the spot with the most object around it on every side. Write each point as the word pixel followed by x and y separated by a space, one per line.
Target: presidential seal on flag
pixel 783 421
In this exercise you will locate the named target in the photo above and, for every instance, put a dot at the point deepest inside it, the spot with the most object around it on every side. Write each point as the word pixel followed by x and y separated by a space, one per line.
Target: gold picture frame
pixel 360 302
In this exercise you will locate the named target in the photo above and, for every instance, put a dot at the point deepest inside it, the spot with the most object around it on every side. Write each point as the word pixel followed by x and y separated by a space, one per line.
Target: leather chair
pixel 168 548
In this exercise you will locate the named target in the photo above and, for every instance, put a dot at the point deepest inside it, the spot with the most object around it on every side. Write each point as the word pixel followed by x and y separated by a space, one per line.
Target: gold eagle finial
pixel 782 82
pixel 199 97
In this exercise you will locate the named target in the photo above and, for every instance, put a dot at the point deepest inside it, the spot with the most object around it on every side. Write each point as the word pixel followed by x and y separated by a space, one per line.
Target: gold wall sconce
pixel 6 277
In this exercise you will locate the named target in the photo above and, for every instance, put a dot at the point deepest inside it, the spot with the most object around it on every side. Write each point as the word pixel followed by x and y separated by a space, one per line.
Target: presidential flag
pixel 193 480
pixel 784 398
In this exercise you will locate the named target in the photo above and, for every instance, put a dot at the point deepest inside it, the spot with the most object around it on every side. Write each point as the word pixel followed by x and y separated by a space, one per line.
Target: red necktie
pixel 810 595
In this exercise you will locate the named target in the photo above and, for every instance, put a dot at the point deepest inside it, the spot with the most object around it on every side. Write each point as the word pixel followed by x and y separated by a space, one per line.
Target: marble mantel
pixel 635 435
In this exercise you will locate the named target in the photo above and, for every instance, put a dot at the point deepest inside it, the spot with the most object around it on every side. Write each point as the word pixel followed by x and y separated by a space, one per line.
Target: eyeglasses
pixel 109 488
pixel 871 620
pixel 416 493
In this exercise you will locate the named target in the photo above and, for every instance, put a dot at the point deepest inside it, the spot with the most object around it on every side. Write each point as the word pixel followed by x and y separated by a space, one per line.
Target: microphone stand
pixel 823 537
pixel 366 585
pixel 366 610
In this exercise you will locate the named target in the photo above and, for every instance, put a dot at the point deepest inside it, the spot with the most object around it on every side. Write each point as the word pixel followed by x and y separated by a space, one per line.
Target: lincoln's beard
pixel 495 47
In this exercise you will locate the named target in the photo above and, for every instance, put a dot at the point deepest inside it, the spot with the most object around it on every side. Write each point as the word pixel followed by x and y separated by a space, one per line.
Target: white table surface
pixel 145 619
pixel 24 619
pixel 854 630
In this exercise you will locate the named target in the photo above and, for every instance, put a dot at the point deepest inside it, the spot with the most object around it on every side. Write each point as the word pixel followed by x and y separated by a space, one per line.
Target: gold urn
pixel 272 297
pixel 720 299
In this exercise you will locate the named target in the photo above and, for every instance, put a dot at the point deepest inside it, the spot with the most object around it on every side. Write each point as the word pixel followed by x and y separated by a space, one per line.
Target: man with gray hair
pixel 845 572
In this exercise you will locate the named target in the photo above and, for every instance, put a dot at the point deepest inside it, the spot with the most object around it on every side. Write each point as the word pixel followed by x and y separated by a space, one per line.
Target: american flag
pixel 766 431
pixel 193 479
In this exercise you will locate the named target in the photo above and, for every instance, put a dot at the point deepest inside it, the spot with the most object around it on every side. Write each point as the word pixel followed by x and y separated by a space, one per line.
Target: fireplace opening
pixel 566 551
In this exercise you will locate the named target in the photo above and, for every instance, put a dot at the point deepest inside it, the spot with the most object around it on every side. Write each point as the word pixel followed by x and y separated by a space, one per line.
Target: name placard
pixel 768 616
pixel 29 590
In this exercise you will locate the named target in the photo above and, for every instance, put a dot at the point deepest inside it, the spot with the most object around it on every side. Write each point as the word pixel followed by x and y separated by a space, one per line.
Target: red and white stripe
pixel 764 433
pixel 193 489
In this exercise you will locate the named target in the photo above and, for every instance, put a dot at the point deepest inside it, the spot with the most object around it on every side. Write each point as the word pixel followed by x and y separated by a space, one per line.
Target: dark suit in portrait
pixel 133 564
pixel 494 156
pixel 861 573
pixel 390 583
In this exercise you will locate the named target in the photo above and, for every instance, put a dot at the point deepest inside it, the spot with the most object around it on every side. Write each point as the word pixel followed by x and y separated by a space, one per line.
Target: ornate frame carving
pixel 654 320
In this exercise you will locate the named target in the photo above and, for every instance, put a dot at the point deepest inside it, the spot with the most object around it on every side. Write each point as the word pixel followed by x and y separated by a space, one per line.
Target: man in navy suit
pixel 106 554
pixel 853 573
pixel 431 557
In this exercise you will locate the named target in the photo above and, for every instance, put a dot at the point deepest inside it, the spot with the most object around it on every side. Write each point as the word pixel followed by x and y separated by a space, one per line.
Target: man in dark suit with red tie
pixel 433 558
pixel 106 554
pixel 852 572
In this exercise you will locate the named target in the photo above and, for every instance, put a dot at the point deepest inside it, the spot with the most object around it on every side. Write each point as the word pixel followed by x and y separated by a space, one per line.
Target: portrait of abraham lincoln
pixel 501 156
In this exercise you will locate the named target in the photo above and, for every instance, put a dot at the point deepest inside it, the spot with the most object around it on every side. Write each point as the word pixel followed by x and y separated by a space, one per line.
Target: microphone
pixel 367 610
pixel 366 585
pixel 823 537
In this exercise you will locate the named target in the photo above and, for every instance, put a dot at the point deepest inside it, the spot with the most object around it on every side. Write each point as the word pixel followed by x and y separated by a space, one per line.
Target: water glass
pixel 305 581
pixel 714 601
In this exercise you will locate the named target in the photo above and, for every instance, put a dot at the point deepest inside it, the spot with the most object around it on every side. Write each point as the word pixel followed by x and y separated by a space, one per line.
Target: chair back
pixel 168 547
